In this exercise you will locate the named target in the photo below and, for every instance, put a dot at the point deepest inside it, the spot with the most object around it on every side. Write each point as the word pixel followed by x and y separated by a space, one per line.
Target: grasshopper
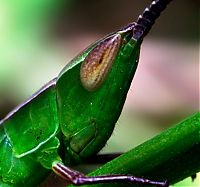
pixel 71 118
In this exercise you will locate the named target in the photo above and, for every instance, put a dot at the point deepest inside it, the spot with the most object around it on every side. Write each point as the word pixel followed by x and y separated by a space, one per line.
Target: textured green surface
pixel 172 155
pixel 14 171
pixel 30 130
pixel 33 124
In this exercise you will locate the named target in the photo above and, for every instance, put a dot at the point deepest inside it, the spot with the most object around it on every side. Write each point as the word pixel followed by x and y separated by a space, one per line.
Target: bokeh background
pixel 38 38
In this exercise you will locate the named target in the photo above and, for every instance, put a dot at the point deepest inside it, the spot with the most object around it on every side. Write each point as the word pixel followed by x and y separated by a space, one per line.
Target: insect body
pixel 72 116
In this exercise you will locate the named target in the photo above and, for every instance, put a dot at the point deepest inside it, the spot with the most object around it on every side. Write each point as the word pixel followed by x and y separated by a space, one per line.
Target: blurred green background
pixel 38 38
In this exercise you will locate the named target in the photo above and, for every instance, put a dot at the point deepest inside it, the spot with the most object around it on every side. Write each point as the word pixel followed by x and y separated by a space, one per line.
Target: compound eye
pixel 98 63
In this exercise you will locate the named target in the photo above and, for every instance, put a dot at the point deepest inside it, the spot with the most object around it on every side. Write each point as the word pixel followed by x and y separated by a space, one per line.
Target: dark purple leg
pixel 78 178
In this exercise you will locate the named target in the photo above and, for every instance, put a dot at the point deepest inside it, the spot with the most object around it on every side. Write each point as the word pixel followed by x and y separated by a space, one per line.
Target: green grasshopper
pixel 71 118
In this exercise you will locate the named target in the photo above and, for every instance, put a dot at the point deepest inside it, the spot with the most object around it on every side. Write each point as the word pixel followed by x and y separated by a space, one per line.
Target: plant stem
pixel 173 155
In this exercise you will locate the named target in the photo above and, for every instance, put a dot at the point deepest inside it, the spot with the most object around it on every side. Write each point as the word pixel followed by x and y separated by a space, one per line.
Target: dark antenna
pixel 147 19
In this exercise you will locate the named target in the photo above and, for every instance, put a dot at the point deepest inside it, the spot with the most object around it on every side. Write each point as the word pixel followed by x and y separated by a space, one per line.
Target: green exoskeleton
pixel 72 117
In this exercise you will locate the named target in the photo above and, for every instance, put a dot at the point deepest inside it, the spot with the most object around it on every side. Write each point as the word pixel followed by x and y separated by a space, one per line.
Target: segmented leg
pixel 78 178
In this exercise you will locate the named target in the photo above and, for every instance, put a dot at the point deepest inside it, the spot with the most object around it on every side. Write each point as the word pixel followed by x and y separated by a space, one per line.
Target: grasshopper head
pixel 91 91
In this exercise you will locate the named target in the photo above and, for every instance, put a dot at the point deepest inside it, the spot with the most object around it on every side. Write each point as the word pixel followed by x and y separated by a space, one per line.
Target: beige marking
pixel 98 63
